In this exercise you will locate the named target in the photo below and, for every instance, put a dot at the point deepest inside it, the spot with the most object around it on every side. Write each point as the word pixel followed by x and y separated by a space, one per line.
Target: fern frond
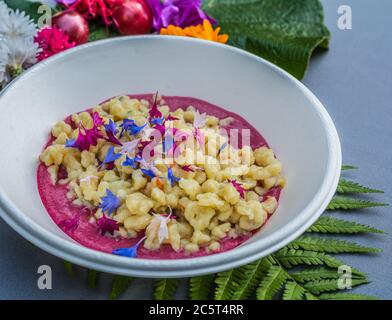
pixel 347 186
pixel 346 203
pixel 224 285
pixel 165 289
pixel 309 296
pixel 292 257
pixel 319 286
pixel 69 268
pixel 329 245
pixel 200 287
pixel 92 278
pixel 293 291
pixel 271 283
pixel 317 273
pixel 248 278
pixel 119 285
pixel 345 296
pixel 327 224
pixel 348 167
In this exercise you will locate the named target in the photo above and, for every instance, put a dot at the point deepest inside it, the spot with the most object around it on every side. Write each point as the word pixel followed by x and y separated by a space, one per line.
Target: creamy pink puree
pixel 59 207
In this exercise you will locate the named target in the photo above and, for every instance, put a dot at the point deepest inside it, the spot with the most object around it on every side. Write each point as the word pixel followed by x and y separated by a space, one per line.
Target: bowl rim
pixel 186 267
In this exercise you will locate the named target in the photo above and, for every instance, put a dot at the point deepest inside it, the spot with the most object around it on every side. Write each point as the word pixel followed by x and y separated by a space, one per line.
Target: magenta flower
pixel 191 168
pixel 111 131
pixel 154 112
pixel 107 225
pixel 181 13
pixel 71 224
pixel 238 187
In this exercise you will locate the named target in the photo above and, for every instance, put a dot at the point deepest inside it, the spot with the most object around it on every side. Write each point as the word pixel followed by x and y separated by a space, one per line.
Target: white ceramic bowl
pixel 290 117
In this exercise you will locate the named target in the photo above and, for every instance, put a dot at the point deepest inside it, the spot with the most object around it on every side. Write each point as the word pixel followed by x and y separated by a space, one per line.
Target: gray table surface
pixel 353 80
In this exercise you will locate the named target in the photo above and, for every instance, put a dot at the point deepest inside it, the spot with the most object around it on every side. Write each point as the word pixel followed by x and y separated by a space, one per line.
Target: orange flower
pixel 201 31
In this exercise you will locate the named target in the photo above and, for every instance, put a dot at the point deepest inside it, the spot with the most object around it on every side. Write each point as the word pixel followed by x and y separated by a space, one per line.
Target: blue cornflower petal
pixel 157 120
pixel 111 156
pixel 70 143
pixel 111 127
pixel 130 252
pixel 130 126
pixel 110 202
pixel 131 162
pixel 171 177
pixel 134 129
pixel 149 172
pixel 223 147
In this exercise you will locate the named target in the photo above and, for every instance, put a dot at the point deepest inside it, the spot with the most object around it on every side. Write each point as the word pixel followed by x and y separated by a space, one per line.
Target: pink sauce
pixel 59 207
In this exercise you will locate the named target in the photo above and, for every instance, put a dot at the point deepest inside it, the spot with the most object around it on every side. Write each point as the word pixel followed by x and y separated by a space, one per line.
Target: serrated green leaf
pixel 328 224
pixel 291 257
pixel 285 32
pixel 99 32
pixel 348 167
pixel 319 286
pixel 223 289
pixel 69 268
pixel 346 203
pixel 271 283
pixel 92 278
pixel 345 296
pixel 309 296
pixel 319 273
pixel 247 278
pixel 200 287
pixel 347 186
pixel 293 291
pixel 119 285
pixel 329 245
pixel 30 8
pixel 165 289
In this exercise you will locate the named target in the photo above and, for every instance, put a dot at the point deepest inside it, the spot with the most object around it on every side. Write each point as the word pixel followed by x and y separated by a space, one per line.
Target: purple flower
pixel 109 202
pixel 149 172
pixel 131 162
pixel 130 252
pixel 181 13
pixel 65 2
pixel 107 225
pixel 171 177
pixel 111 131
pixel 70 143
pixel 111 156
pixel 158 121
pixel 130 126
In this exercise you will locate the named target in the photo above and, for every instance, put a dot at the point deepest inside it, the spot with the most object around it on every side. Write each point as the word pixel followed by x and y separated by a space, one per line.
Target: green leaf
pixel 224 286
pixel 285 32
pixel 347 186
pixel 328 224
pixel 165 289
pixel 200 287
pixel 293 291
pixel 346 203
pixel 319 286
pixel 329 245
pixel 348 167
pixel 92 278
pixel 247 278
pixel 271 283
pixel 30 8
pixel 319 273
pixel 291 257
pixel 99 32
pixel 119 285
pixel 345 296
pixel 69 268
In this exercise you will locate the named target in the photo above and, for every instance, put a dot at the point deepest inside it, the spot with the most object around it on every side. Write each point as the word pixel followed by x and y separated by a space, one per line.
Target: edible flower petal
pixel 154 111
pixel 107 225
pixel 191 168
pixel 70 143
pixel 149 172
pixel 157 120
pixel 171 177
pixel 131 162
pixel 130 252
pixel 70 225
pixel 111 156
pixel 110 202
pixel 199 120
pixel 97 119
pixel 199 136
pixel 111 131
pixel 129 147
pixel 88 138
pixel 88 179
pixel 130 126
pixel 238 187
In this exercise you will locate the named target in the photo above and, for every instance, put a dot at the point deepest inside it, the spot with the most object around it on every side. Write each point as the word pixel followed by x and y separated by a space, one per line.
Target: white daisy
pixel 15 23
pixel 3 61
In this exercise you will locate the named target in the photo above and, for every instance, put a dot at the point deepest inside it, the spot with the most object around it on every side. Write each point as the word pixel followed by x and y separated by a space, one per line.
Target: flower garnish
pixel 143 145
pixel 238 187
pixel 181 13
pixel 70 143
pixel 161 128
pixel 87 138
pixel 131 162
pixel 171 118
pixel 171 177
pixel 154 111
pixel 130 126
pixel 129 147
pixel 199 136
pixel 110 202
pixel 199 120
pixel 111 156
pixel 130 252
pixel 52 41
pixel 202 31
pixel 88 179
pixel 107 225
pixel 92 9
pixel 158 121
pixel 191 168
pixel 111 131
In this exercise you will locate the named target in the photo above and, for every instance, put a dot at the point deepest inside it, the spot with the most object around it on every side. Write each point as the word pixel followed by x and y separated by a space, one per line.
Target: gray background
pixel 353 80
